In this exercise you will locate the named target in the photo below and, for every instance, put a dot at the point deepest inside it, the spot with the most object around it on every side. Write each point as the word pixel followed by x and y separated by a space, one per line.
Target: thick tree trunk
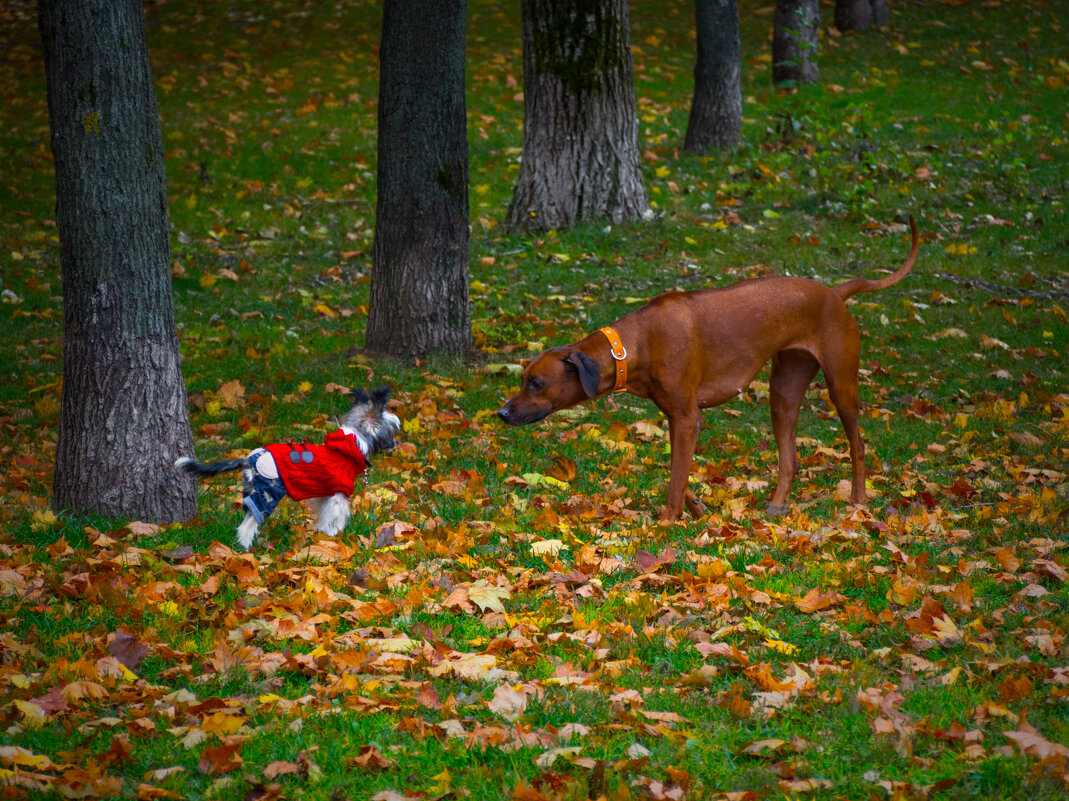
pixel 860 15
pixel 419 280
pixel 716 112
pixel 123 417
pixel 581 159
pixel 796 26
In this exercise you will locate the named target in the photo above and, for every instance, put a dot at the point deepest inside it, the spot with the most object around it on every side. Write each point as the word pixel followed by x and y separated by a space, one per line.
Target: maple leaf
pixel 488 596
pixel 508 702
pixel 1031 742
pixel 140 529
pixel 18 757
pixel 546 759
pixel 370 758
pixel 645 562
pixel 215 761
pixel 221 723
pixel 231 395
pixel 804 785
pixel 458 599
pixel 815 600
pixel 766 748
pixel 52 702
pixel 393 532
pixel 945 630
pixel 465 665
pixel 902 593
pixel 724 649
pixel 127 649
pixel 1051 569
pixel 281 768
pixel 83 689
pixel 550 547
pixel 1007 559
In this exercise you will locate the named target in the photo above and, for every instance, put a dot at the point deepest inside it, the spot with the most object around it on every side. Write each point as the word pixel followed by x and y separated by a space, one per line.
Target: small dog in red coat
pixel 323 476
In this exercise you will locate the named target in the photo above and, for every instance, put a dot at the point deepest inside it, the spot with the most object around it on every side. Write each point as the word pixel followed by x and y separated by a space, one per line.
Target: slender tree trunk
pixel 581 159
pixel 716 112
pixel 796 26
pixel 860 15
pixel 419 279
pixel 123 417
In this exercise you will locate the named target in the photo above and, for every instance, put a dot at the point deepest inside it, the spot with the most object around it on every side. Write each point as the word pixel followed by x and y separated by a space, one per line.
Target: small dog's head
pixel 375 428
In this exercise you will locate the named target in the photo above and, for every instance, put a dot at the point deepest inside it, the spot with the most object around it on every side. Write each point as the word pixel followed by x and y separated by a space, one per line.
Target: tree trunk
pixel 860 15
pixel 794 42
pixel 123 417
pixel 716 112
pixel 581 159
pixel 419 279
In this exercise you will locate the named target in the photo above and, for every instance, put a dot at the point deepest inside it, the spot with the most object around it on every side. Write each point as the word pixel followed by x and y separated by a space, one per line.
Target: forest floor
pixel 504 618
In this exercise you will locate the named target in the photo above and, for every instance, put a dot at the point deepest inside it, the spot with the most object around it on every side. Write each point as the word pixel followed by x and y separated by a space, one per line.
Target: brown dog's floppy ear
pixel 589 371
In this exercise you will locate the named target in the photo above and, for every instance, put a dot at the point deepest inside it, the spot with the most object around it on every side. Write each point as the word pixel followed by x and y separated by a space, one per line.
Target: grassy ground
pixel 503 619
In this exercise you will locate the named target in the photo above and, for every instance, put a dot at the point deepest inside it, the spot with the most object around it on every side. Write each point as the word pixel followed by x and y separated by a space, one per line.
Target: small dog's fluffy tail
pixel 193 467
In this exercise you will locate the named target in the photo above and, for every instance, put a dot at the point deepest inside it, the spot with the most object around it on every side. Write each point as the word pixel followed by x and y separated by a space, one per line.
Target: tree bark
pixel 796 26
pixel 860 15
pixel 419 279
pixel 123 417
pixel 716 111
pixel 581 158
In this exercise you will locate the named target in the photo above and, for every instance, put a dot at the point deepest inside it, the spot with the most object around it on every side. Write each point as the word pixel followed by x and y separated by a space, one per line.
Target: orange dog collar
pixel 619 355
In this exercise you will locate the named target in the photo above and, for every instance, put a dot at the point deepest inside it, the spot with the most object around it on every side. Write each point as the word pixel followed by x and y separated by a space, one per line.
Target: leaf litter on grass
pixel 503 617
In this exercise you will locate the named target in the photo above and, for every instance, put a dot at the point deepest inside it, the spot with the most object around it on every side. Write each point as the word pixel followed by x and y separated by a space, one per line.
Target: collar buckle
pixel 619 355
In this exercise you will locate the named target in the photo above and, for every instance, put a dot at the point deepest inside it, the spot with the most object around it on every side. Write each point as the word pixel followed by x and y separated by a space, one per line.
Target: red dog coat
pixel 318 471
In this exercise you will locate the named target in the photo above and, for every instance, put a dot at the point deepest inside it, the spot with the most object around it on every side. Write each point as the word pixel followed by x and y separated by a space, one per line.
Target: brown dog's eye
pixel 535 384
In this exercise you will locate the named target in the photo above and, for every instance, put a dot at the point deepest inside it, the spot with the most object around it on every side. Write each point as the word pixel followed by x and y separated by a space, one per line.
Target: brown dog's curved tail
pixel 852 287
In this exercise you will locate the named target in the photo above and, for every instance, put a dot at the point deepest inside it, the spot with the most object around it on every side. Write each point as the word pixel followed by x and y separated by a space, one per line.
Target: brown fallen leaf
pixel 370 758
pixel 281 768
pixel 220 759
pixel 815 600
pixel 127 649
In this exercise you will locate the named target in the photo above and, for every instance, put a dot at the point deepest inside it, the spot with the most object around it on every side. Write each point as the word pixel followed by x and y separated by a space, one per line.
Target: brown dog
pixel 688 351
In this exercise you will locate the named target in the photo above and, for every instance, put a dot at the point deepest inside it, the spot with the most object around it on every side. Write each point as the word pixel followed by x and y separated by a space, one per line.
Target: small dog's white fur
pixel 331 513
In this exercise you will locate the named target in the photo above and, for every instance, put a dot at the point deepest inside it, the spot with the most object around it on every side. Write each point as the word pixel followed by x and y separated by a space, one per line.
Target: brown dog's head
pixel 557 379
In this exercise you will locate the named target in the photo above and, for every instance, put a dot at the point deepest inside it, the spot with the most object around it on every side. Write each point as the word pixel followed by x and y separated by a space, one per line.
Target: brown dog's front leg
pixel 683 435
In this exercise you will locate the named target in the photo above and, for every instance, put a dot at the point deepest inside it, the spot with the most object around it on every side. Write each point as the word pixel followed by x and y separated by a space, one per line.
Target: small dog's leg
pixel 332 514
pixel 247 531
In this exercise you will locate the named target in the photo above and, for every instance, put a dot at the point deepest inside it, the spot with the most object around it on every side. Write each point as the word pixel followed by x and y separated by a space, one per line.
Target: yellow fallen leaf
pixel 33 716
pixel 170 608
pixel 488 596
pixel 465 666
pixel 552 547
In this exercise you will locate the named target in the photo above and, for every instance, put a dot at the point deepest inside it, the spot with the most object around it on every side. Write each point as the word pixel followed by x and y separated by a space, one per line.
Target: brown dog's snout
pixel 505 412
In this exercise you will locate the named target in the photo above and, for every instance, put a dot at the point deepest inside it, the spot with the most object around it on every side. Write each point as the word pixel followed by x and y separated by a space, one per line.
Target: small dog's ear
pixel 588 368
pixel 359 396
pixel 380 396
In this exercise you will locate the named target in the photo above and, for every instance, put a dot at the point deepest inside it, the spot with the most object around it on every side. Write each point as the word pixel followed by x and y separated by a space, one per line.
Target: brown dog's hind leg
pixel 843 391
pixel 792 371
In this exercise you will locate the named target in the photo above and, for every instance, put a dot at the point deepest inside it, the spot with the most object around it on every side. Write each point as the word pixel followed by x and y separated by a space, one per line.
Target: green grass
pixel 955 115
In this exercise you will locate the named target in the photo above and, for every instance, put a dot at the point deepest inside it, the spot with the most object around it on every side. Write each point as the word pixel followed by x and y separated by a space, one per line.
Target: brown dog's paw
pixel 668 518
pixel 695 507
pixel 776 509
